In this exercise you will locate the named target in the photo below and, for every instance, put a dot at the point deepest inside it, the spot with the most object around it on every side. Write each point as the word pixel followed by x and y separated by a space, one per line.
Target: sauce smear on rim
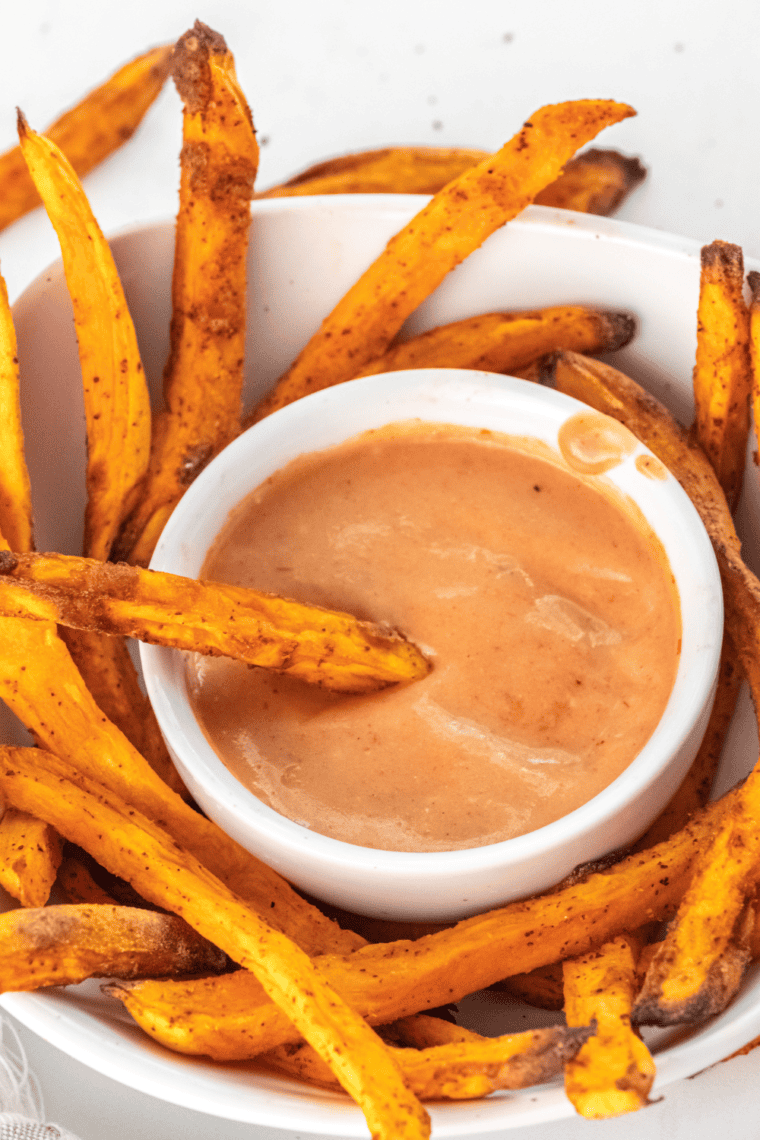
pixel 544 601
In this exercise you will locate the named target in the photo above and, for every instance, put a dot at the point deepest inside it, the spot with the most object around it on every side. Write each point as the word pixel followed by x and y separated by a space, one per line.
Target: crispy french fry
pixel 461 1070
pixel 501 342
pixel 326 647
pixel 30 854
pixel 595 182
pixel 204 374
pixel 722 373
pixel 117 412
pixel 613 1071
pixel 391 170
pixel 456 222
pixel 130 845
pixel 694 791
pixel 40 683
pixel 117 405
pixel 109 673
pixel 542 987
pixel 63 945
pixel 92 130
pixel 228 1018
pixel 421 1031
pixel 668 996
pixel 699 966
pixel 77 884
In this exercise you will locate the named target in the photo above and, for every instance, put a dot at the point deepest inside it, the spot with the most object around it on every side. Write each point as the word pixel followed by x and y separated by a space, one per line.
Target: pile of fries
pixel 212 952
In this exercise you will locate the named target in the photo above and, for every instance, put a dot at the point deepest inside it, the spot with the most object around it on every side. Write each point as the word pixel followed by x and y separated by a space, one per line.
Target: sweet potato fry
pixel 722 373
pixel 228 1018
pixel 63 945
pixel 92 130
pixel 463 1070
pixel 328 648
pixel 129 845
pixel 204 374
pixel 117 405
pixel 700 964
pixel 669 997
pixel 117 411
pixel 595 182
pixel 613 1071
pixel 110 675
pixel 391 170
pixel 30 854
pixel 39 682
pixel 456 222
pixel 501 342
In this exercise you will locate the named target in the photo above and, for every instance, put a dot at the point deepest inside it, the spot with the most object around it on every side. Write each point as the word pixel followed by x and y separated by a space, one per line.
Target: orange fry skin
pixel 595 182
pixel 228 1019
pixel 613 1071
pixel 117 404
pixel 90 131
pixel 325 647
pixel 722 373
pixel 503 342
pixel 204 374
pixel 30 855
pixel 41 685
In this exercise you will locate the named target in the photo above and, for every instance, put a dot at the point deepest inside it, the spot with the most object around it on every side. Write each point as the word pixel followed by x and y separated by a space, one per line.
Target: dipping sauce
pixel 543 599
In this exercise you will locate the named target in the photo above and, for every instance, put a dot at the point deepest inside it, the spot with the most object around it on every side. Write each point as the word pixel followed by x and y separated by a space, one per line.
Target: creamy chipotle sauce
pixel 542 598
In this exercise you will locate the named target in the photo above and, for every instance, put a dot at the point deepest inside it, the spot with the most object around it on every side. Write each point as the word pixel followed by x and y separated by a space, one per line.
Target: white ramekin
pixel 442 885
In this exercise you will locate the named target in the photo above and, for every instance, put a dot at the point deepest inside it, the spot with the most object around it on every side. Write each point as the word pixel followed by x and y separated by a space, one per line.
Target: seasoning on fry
pixel 117 405
pixel 204 374
pixel 456 222
pixel 92 130
pixel 595 182
pixel 722 373
pixel 613 1071
pixel 502 342
pixel 328 648
pixel 62 945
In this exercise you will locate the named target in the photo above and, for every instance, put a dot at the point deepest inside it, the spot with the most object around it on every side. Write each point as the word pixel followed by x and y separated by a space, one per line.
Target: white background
pixel 327 76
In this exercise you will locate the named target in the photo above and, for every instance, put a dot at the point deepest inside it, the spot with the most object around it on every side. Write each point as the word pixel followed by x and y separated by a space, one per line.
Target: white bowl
pixel 304 254
pixel 445 885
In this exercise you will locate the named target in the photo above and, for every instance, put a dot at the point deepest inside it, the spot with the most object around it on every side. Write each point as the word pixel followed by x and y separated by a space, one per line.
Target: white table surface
pixel 328 76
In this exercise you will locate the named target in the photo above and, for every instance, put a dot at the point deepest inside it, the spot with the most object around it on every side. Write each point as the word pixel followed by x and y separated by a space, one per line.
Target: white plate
pixel 304 255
